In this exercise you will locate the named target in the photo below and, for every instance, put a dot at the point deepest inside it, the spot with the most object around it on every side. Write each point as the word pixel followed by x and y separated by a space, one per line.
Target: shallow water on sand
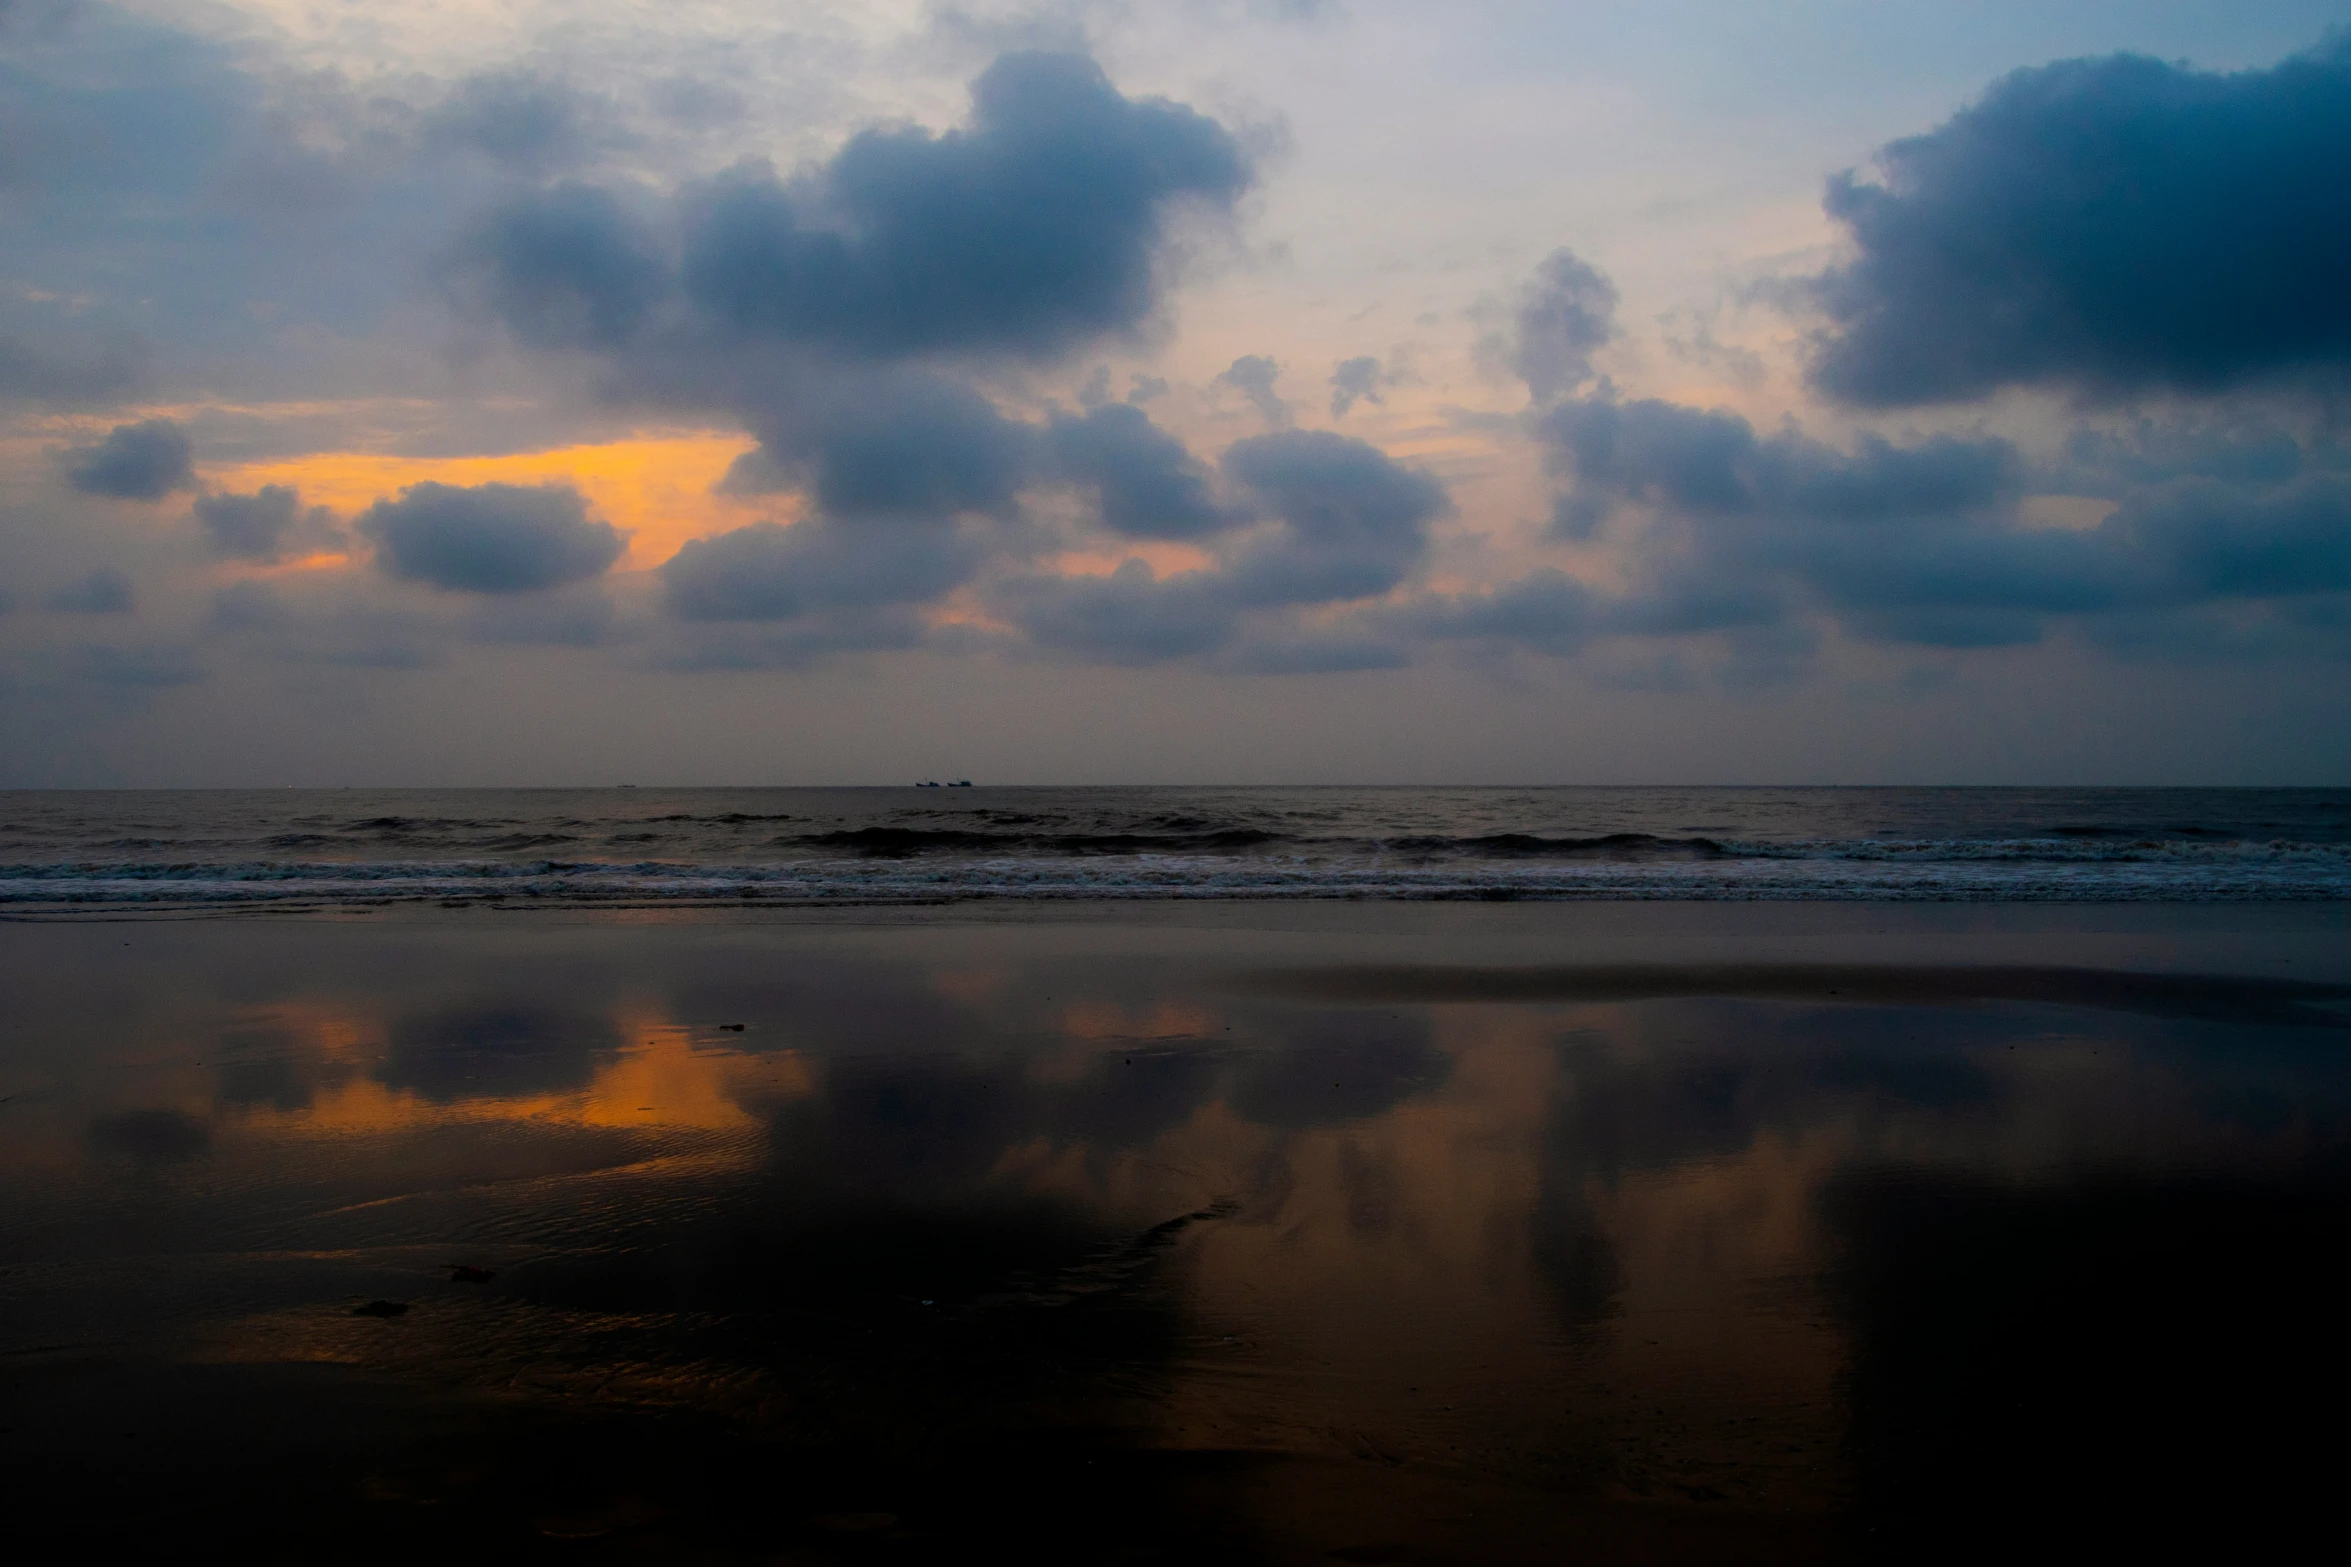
pixel 1360 1234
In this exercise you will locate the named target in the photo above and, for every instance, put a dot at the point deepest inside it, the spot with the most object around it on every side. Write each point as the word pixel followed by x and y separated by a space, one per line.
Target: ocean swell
pixel 867 867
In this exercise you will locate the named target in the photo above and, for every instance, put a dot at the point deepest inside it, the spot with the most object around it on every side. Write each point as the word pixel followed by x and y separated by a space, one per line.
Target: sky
pixel 450 392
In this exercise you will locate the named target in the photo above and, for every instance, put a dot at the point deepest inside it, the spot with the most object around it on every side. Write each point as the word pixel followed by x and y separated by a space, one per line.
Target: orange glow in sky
pixel 656 487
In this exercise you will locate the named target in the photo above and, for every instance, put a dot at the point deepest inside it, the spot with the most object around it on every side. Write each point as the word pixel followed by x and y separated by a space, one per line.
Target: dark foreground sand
pixel 1602 1233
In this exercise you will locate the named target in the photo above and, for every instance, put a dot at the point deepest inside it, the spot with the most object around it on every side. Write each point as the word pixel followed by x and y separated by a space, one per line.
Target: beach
pixel 1365 1232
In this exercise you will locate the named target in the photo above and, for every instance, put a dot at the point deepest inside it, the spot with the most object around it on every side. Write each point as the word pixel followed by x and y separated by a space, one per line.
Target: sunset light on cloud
pixel 659 489
pixel 1571 386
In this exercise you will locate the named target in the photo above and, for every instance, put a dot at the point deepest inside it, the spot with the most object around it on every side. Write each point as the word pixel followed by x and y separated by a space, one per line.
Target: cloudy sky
pixel 579 391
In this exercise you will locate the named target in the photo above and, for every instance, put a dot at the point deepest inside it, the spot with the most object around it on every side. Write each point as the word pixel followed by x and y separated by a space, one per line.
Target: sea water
pixel 305 847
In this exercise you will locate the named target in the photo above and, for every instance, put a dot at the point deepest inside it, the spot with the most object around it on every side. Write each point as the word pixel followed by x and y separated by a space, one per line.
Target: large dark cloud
pixel 490 538
pixel 2113 226
pixel 894 445
pixel 1034 228
pixel 145 461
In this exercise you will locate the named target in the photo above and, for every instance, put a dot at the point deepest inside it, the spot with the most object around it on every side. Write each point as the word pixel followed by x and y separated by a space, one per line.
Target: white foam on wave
pixel 2011 870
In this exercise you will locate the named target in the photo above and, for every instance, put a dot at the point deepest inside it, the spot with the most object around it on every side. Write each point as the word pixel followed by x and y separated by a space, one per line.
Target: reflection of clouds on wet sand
pixel 921 1188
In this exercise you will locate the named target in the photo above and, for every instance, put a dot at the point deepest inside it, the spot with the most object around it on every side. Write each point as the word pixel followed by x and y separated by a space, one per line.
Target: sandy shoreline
pixel 1272 1232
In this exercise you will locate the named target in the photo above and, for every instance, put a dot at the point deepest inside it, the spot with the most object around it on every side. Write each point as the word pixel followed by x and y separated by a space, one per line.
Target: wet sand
pixel 1175 1232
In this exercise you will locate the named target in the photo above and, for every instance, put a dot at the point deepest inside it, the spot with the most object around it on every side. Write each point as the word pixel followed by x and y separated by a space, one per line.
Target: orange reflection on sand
pixel 1161 1020
pixel 663 1079
pixel 972 987
pixel 657 486
pixel 1438 1244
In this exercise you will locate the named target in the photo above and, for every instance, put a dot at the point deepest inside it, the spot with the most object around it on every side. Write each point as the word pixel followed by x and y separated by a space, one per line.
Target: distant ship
pixel 932 783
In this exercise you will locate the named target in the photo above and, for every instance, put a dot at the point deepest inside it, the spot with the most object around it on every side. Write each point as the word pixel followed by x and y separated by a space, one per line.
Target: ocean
pixel 199 849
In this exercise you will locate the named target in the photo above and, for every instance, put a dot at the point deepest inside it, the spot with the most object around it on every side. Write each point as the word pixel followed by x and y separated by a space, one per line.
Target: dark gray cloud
pixel 1035 228
pixel 563 268
pixel 104 591
pixel 490 538
pixel 2208 539
pixel 1909 543
pixel 2113 226
pixel 1344 522
pixel 1353 522
pixel 265 526
pixel 145 461
pixel 769 572
pixel 1567 314
pixel 1926 543
pixel 893 445
pixel 1702 461
pixel 1146 482
pixel 1253 376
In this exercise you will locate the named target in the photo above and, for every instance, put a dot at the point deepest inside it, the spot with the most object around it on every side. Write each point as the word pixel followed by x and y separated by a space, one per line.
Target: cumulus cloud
pixel 1146 483
pixel 1036 227
pixel 1253 376
pixel 568 267
pixel 1566 315
pixel 2112 226
pixel 490 538
pixel 265 526
pixel 1927 543
pixel 1033 228
pixel 1357 380
pixel 892 444
pixel 1335 520
pixel 1353 522
pixel 145 461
